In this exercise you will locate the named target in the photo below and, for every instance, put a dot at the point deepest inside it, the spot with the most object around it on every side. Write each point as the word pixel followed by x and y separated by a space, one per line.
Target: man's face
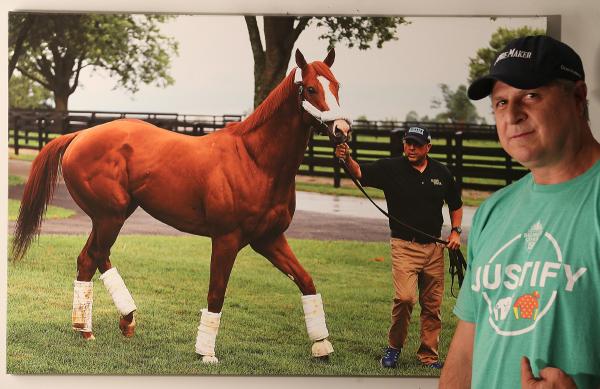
pixel 415 152
pixel 536 126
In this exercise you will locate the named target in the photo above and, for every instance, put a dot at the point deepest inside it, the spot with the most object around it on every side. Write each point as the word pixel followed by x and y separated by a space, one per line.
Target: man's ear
pixel 580 93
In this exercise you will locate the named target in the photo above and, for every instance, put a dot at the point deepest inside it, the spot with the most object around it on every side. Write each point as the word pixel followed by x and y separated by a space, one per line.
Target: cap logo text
pixel 566 69
pixel 513 53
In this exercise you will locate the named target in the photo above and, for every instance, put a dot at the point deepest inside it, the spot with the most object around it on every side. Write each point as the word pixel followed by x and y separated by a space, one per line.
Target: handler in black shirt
pixel 415 188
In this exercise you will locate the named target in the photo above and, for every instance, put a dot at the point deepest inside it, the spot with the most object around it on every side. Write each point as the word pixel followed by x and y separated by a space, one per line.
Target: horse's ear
pixel 330 58
pixel 300 61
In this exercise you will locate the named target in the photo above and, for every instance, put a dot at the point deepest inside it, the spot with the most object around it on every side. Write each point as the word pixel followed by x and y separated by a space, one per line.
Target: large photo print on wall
pixel 175 206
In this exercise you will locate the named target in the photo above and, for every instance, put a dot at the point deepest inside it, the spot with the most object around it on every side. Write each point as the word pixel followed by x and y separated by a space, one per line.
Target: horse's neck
pixel 277 146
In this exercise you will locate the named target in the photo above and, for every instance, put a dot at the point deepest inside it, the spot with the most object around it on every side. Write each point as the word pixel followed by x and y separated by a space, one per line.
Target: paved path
pixel 317 216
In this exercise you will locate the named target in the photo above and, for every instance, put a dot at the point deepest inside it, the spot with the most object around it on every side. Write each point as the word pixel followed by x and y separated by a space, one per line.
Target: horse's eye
pixel 311 90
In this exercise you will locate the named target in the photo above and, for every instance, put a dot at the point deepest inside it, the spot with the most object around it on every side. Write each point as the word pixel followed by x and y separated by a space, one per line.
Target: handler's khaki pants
pixel 423 265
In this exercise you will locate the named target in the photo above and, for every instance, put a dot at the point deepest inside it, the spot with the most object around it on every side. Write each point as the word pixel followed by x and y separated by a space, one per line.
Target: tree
pixel 23 93
pixel 480 65
pixel 281 32
pixel 19 30
pixel 412 116
pixel 459 108
pixel 54 50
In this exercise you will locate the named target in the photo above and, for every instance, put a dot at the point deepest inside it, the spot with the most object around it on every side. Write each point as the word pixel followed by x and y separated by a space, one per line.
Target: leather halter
pixel 306 106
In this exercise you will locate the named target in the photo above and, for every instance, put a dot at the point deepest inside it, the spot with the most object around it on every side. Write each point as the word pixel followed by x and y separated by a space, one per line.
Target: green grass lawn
pixel 342 191
pixel 469 198
pixel 23 156
pixel 53 212
pixel 262 328
pixel 16 180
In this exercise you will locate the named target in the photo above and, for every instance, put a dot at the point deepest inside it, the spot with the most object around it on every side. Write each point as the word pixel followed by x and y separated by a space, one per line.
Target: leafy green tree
pixel 458 107
pixel 480 64
pixel 19 30
pixel 412 116
pixel 281 33
pixel 23 93
pixel 54 49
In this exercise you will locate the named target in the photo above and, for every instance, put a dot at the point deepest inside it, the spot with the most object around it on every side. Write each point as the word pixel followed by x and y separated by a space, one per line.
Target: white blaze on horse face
pixel 330 100
pixel 334 112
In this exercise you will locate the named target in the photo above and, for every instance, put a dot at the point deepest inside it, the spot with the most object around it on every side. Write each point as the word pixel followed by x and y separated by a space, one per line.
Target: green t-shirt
pixel 532 285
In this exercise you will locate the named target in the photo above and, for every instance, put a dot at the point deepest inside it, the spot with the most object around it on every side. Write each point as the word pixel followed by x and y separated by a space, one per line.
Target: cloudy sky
pixel 214 70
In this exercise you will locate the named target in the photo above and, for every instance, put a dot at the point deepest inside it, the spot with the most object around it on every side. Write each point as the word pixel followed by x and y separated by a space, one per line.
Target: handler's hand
pixel 550 378
pixel 342 151
pixel 453 241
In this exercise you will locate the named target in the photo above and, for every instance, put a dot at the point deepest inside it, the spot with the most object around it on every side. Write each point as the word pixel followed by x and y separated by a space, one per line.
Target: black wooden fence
pixel 472 152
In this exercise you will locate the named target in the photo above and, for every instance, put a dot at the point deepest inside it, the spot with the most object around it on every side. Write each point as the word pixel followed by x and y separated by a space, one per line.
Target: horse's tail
pixel 38 192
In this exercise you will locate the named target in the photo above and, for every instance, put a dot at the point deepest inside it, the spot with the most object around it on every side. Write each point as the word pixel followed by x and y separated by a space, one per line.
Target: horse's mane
pixel 266 109
pixel 275 99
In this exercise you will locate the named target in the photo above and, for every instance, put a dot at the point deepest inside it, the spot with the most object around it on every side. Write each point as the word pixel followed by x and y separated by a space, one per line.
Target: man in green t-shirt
pixel 529 305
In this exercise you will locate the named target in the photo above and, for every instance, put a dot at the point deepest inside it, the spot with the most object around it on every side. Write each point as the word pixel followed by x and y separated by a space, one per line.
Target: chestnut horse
pixel 235 185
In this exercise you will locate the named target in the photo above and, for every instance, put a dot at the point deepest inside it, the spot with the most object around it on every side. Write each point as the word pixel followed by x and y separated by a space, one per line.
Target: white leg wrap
pixel 118 291
pixel 83 297
pixel 314 317
pixel 322 348
pixel 207 335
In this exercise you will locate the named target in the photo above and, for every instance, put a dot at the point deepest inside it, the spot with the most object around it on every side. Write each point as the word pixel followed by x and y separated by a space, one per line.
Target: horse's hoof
pixel 88 335
pixel 209 359
pixel 127 327
pixel 321 349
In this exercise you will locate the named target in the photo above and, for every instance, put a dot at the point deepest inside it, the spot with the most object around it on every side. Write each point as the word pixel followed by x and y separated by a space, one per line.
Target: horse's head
pixel 318 95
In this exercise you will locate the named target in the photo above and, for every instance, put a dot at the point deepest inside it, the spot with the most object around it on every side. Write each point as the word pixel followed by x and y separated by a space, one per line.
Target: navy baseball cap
pixel 528 63
pixel 419 135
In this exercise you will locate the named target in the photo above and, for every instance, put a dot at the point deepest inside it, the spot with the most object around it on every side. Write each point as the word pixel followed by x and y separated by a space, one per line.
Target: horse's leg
pixel 108 230
pixel 96 255
pixel 224 251
pixel 279 253
pixel 81 315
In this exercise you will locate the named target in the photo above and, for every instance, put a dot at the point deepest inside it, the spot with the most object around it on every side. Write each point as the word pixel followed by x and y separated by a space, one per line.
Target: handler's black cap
pixel 528 63
pixel 418 134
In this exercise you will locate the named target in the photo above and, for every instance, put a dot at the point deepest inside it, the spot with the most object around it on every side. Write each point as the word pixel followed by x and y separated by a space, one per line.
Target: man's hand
pixel 342 151
pixel 550 378
pixel 453 241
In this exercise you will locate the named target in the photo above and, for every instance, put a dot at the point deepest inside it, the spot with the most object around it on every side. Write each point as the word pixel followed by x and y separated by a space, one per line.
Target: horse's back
pixel 117 165
pixel 99 163
pixel 203 185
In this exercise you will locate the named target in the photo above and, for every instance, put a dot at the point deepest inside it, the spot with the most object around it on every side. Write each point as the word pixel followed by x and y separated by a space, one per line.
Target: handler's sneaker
pixel 390 358
pixel 434 365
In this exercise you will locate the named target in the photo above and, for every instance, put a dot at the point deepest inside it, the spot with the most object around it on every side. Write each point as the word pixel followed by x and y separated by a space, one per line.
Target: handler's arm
pixel 455 221
pixel 457 369
pixel 343 151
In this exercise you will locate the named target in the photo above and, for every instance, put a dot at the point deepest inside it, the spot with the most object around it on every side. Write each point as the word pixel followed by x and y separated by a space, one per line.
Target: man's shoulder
pixel 505 194
pixel 439 166
pixel 387 162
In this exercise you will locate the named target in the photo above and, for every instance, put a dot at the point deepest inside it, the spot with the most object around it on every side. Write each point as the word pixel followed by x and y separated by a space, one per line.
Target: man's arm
pixel 455 221
pixel 343 151
pixel 457 369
